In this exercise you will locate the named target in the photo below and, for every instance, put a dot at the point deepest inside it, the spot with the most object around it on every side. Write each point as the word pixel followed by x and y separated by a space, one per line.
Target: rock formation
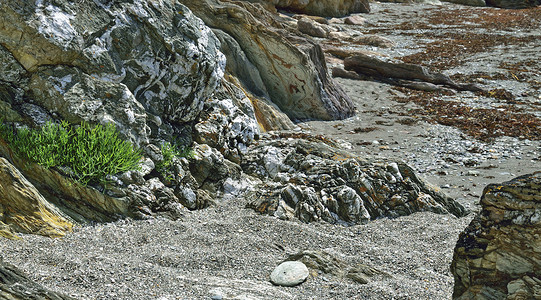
pixel 498 256
pixel 292 67
pixel 516 4
pixel 15 285
pixel 312 179
pixel 24 209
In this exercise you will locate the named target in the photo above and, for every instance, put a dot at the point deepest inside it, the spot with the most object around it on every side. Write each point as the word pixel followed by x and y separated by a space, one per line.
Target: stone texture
pixel 374 40
pixel 228 122
pixel 24 209
pixel 401 73
pixel 312 28
pixel 331 264
pixel 498 255
pixel 292 68
pixel 354 20
pixel 164 56
pixel 289 273
pixel 324 8
pixel 310 178
pixel 15 285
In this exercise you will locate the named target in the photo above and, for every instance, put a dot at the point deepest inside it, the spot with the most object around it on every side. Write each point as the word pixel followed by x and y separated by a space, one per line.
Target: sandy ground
pixel 228 251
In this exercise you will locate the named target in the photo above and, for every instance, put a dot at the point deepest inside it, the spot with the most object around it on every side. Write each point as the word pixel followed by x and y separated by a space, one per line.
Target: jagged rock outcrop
pixel 324 8
pixel 15 285
pixel 498 256
pixel 292 67
pixel 24 209
pixel 311 179
pixel 134 63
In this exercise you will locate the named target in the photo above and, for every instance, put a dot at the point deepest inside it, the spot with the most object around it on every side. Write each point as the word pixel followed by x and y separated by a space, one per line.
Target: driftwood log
pixel 403 74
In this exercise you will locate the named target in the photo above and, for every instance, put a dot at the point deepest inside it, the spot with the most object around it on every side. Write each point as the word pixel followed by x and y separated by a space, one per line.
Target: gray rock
pixel 312 28
pixel 228 122
pixel 167 58
pixel 469 2
pixel 516 4
pixel 329 263
pixel 330 184
pixel 289 273
pixel 240 66
pixel 324 8
pixel 14 284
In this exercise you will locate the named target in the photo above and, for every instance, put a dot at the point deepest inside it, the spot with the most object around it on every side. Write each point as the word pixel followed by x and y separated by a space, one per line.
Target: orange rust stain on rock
pixel 293 89
pixel 278 58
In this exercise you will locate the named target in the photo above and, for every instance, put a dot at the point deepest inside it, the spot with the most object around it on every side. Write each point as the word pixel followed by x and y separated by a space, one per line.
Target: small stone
pixel 289 273
pixel 473 173
pixel 355 20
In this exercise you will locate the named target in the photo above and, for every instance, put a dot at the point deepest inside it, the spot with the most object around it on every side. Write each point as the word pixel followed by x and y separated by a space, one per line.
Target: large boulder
pixel 155 53
pixel 24 209
pixel 311 178
pixel 292 68
pixel 498 256
pixel 324 8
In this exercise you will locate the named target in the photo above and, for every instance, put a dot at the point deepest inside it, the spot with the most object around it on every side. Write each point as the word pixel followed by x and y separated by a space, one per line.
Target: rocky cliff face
pixel 291 67
pixel 498 256
pixel 156 71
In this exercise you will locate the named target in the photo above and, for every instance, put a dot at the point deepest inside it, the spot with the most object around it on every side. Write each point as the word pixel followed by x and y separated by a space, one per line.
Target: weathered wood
pixel 371 66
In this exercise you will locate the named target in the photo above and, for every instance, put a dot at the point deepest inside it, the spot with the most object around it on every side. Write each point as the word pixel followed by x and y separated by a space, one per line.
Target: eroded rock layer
pixel 498 256
pixel 311 179
pixel 292 68
pixel 24 209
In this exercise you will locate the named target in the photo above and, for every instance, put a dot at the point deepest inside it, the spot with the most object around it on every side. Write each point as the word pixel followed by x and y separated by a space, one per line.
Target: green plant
pixel 91 152
pixel 169 152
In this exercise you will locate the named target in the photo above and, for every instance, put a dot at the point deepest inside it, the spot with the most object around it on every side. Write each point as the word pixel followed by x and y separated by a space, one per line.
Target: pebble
pixel 289 273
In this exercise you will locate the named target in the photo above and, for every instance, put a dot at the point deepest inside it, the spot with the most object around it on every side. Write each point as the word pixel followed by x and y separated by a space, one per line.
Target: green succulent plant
pixel 91 152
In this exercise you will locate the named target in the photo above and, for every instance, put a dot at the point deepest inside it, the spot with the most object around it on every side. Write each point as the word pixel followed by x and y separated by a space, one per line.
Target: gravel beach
pixel 228 252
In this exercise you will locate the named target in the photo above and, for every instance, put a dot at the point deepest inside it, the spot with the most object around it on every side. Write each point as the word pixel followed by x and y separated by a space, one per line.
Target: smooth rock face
pixel 24 209
pixel 309 178
pixel 498 255
pixel 292 68
pixel 312 28
pixel 289 273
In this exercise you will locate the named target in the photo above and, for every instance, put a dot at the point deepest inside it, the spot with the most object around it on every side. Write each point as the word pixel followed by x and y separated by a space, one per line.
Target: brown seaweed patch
pixel 481 123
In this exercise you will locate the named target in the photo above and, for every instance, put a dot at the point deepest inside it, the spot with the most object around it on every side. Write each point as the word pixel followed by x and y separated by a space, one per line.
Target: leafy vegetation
pixel 91 152
pixel 169 152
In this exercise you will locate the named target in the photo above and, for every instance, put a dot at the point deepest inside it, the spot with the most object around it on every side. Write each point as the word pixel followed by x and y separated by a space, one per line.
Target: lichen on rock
pixel 499 254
